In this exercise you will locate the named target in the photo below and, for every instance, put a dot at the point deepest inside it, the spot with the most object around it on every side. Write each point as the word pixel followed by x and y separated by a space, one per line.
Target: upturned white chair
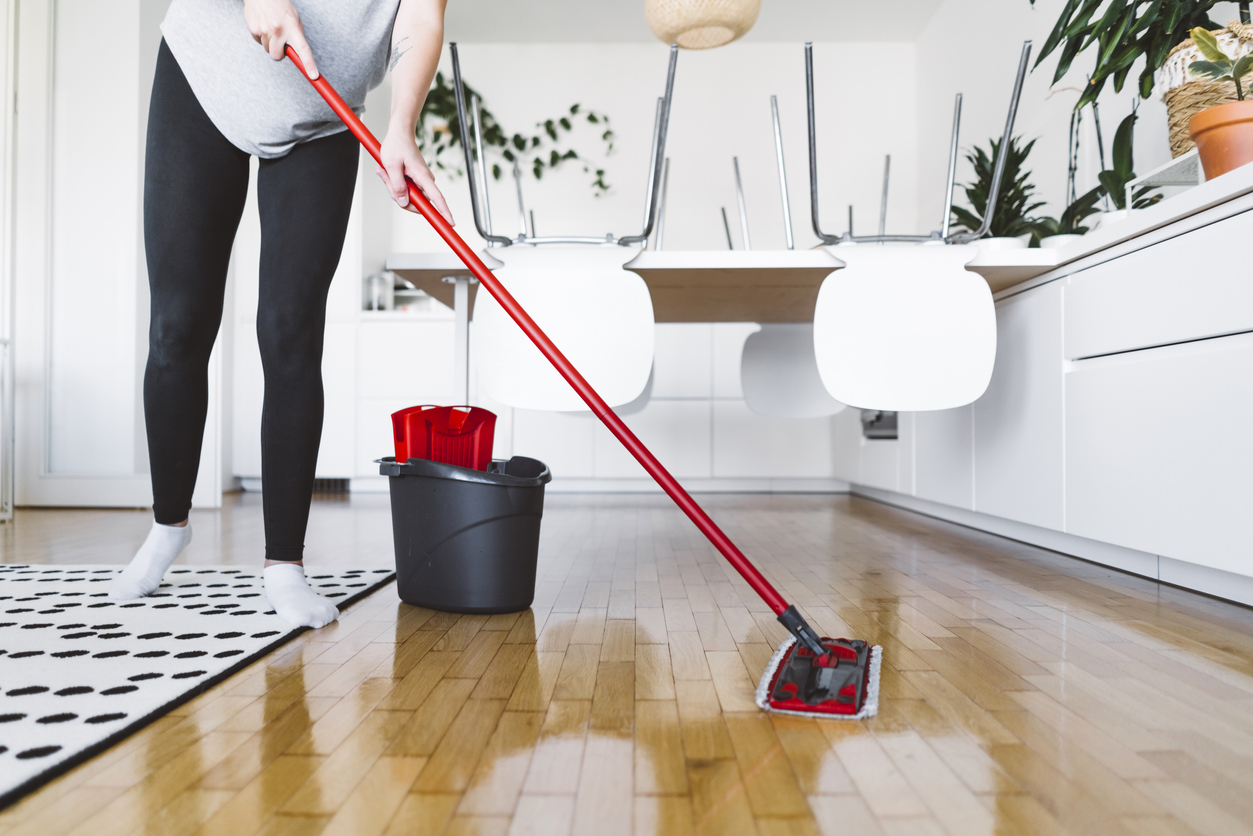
pixel 600 315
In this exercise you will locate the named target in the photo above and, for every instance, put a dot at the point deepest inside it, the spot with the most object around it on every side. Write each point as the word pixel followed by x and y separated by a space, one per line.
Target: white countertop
pixel 1005 268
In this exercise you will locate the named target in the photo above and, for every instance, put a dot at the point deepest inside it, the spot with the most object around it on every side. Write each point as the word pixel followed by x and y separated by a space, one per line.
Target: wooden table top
pixel 686 286
pixel 727 285
pixel 734 285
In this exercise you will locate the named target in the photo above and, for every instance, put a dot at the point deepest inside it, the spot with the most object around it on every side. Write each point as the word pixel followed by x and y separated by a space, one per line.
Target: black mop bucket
pixel 467 540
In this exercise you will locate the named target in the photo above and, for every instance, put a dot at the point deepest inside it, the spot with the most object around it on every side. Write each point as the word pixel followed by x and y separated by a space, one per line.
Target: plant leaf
pixel 1210 69
pixel 1149 18
pixel 1207 45
pixel 1115 41
pixel 1059 28
pixel 1141 198
pixel 1107 22
pixel 1243 66
pixel 1123 139
pixel 1113 186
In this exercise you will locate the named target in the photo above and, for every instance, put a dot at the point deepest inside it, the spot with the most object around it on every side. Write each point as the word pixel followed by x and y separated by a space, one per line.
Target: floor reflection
pixel 1021 692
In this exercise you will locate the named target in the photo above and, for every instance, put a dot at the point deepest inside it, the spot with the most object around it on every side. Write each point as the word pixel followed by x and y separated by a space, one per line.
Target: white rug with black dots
pixel 79 672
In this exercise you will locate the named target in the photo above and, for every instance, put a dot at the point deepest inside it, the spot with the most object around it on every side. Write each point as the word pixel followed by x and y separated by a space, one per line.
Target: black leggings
pixel 195 183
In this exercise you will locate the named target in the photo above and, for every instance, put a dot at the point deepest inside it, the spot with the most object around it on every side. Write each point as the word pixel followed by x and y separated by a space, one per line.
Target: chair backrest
pixel 456 435
pixel 905 328
pixel 598 313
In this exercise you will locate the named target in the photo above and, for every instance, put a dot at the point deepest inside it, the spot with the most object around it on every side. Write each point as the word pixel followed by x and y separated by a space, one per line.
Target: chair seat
pixel 905 328
pixel 599 315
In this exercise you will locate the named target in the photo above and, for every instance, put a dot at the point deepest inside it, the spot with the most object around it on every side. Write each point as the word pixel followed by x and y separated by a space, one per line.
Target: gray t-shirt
pixel 264 106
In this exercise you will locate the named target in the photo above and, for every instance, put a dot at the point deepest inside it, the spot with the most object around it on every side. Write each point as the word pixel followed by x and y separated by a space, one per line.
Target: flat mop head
pixel 846 687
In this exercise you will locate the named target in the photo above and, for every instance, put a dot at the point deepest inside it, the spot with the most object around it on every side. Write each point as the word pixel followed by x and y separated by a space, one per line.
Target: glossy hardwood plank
pixel 1021 692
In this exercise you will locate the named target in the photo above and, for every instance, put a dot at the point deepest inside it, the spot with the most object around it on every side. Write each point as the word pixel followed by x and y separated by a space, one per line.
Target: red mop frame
pixel 563 366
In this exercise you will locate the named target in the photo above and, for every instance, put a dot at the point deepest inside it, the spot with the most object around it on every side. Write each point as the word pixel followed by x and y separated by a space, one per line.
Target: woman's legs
pixel 195 184
pixel 304 198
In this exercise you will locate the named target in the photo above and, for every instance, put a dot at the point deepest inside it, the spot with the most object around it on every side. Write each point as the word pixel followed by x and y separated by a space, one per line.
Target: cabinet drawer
pixel 1190 287
pixel 1159 452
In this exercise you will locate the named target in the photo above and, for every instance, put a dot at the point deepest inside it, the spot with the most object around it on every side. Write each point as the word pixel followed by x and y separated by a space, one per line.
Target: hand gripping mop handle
pixel 787 614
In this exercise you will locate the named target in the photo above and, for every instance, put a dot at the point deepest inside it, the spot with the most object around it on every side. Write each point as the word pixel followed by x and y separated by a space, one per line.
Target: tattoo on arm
pixel 398 53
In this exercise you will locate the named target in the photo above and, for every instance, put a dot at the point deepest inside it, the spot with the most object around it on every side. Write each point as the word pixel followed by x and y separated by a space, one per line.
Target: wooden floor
pixel 1023 692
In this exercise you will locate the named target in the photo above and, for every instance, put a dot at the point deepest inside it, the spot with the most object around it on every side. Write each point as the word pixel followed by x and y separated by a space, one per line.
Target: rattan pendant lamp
pixel 700 24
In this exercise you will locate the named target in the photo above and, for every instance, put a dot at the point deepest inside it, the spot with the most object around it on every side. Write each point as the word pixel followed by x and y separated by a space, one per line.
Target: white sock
pixel 293 601
pixel 142 577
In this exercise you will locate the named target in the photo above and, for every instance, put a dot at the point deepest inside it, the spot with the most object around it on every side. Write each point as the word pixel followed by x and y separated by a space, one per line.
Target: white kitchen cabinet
pixel 565 441
pixel 372 435
pixel 944 456
pixel 682 360
pixel 1159 451
pixel 887 464
pixel 1188 287
pixel 746 444
pixel 728 348
pixel 248 391
pixel 339 418
pixel 407 358
pixel 881 465
pixel 846 444
pixel 678 432
pixel 1018 435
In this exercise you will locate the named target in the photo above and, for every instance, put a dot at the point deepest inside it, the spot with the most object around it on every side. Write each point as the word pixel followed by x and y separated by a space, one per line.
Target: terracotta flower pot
pixel 1224 137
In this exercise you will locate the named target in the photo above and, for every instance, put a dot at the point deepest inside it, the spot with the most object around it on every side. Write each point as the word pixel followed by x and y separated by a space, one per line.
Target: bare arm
pixel 417 40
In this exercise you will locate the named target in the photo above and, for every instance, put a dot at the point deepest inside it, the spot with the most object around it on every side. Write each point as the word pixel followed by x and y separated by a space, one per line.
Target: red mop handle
pixel 563 366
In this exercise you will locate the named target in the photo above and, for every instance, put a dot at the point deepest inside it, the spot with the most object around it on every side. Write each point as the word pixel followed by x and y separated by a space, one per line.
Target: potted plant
pixel 1114 181
pixel 1223 134
pixel 1012 225
pixel 1058 232
pixel 1126 31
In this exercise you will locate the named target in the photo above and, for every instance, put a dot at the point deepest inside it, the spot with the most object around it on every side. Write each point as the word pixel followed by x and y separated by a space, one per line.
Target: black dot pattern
pixel 78 668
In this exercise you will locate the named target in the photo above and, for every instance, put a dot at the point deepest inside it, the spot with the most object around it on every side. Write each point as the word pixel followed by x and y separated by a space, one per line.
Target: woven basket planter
pixel 1186 96
pixel 700 24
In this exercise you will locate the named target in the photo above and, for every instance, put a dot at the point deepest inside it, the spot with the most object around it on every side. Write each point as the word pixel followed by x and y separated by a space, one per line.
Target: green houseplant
pixel 1012 218
pixel 1114 180
pixel 439 131
pixel 1220 66
pixel 1122 33
pixel 1223 134
pixel 1070 224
